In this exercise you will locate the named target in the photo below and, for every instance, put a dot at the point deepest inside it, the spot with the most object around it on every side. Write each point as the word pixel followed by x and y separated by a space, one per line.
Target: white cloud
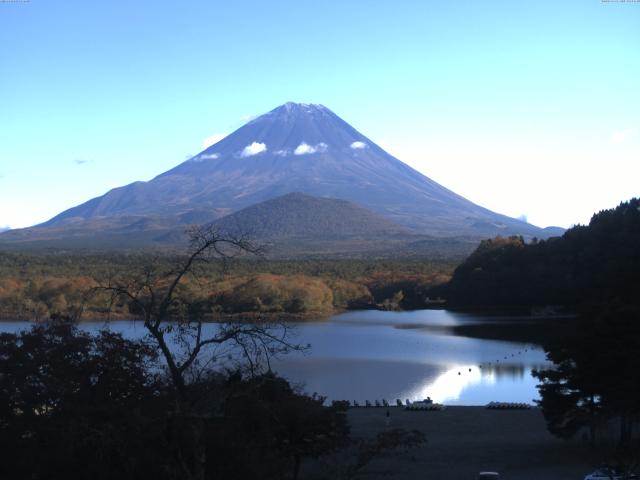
pixel 205 156
pixel 358 145
pixel 306 149
pixel 619 136
pixel 213 139
pixel 253 149
pixel 281 153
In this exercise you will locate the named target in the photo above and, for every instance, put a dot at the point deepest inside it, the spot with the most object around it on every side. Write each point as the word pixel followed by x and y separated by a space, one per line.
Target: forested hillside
pixel 588 265
pixel 300 215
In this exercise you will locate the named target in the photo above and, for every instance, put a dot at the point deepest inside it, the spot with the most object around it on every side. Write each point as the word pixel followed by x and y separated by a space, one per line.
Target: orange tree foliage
pixel 275 293
pixel 40 297
pixel 33 287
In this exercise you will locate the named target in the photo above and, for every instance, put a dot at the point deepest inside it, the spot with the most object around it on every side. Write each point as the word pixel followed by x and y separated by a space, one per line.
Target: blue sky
pixel 523 107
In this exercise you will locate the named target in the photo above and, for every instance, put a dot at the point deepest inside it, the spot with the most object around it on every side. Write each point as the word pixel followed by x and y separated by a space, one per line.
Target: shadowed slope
pixel 300 215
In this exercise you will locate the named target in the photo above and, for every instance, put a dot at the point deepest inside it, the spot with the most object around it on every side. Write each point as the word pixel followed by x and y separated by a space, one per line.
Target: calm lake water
pixel 369 355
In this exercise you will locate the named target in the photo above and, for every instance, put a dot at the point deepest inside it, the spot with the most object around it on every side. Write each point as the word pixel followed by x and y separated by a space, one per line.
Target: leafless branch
pixel 155 295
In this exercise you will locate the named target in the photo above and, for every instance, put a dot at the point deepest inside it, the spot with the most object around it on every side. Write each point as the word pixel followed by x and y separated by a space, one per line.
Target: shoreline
pixel 488 317
pixel 212 318
pixel 528 329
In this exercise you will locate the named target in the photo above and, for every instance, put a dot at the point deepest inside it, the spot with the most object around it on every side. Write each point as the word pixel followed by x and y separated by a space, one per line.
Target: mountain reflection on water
pixel 369 355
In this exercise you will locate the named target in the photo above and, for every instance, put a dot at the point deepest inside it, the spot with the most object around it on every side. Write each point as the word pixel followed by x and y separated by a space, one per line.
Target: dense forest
pixel 588 265
pixel 37 286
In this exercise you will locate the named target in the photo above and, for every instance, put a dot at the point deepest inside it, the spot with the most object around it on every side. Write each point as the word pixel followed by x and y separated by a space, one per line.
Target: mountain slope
pixel 294 225
pixel 299 148
pixel 303 216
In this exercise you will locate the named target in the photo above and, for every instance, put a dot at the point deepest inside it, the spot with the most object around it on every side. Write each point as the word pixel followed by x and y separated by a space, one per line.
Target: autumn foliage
pixel 33 288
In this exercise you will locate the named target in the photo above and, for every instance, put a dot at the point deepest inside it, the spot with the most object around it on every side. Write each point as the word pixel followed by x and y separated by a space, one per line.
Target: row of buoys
pixel 505 358
pixel 508 406
pixel 460 373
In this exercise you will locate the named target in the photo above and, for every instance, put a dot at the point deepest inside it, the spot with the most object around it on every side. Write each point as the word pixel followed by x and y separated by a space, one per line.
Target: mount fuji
pixel 297 147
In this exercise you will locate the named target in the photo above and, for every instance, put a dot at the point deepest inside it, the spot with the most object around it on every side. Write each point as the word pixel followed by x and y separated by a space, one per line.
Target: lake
pixel 369 355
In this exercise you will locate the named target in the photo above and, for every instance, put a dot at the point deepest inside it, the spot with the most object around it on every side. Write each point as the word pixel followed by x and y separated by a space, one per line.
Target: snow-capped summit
pixel 300 147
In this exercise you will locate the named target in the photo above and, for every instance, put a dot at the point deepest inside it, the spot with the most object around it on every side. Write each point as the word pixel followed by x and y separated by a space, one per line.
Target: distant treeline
pixel 587 266
pixel 37 286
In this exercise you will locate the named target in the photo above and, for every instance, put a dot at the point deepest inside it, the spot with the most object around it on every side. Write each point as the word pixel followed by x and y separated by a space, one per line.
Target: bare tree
pixel 172 322
pixel 187 343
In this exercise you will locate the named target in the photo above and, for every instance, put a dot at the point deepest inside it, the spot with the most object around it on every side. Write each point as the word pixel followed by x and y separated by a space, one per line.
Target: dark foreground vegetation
pixel 34 287
pixel 595 379
pixel 73 405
